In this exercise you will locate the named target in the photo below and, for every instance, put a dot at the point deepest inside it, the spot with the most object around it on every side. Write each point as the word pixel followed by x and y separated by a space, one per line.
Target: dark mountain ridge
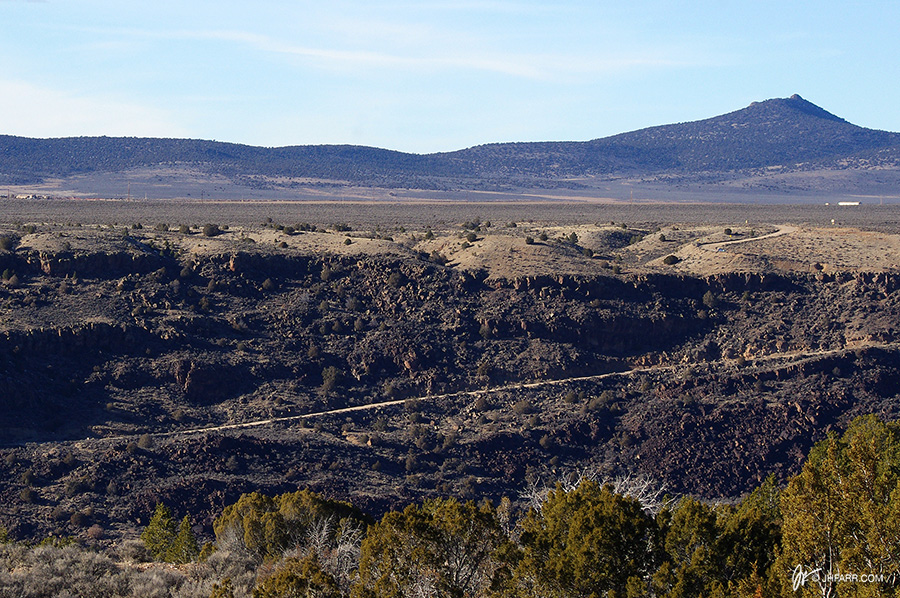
pixel 27 160
pixel 778 132
pixel 774 132
pixel 786 133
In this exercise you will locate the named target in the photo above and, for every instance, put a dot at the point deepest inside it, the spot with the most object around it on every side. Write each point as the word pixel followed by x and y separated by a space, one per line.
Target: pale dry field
pixel 763 239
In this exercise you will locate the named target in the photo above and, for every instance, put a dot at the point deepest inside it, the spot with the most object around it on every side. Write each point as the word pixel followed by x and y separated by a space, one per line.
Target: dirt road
pixel 782 230
pixel 792 357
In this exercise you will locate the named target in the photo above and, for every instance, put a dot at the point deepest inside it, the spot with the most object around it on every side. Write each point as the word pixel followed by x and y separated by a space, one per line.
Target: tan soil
pixel 703 250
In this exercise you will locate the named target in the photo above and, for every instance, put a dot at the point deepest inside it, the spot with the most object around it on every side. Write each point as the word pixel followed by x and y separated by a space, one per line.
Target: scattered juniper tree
pixel 183 548
pixel 160 532
pixel 164 543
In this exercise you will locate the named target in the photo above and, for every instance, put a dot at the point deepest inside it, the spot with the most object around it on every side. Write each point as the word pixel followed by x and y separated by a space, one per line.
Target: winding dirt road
pixel 782 230
pixel 792 357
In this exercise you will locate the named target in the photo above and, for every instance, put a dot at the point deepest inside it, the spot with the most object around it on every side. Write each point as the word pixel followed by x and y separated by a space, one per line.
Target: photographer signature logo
pixel 799 576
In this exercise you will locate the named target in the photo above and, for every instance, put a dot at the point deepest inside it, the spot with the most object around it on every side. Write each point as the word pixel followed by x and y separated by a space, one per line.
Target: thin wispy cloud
pixel 542 67
pixel 425 49
pixel 435 74
pixel 520 66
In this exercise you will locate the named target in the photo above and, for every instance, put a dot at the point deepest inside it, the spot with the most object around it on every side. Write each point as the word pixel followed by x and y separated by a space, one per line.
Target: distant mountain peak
pixel 796 103
pixel 786 132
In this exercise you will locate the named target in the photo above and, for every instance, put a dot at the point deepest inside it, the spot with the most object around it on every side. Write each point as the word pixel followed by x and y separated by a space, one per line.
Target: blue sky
pixel 431 76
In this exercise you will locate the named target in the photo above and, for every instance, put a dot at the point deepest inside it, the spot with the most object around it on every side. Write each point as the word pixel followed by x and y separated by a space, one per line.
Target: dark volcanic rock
pixel 726 390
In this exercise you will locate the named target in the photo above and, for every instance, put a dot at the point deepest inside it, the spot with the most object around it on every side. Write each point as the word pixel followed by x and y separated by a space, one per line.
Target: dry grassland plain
pixel 822 237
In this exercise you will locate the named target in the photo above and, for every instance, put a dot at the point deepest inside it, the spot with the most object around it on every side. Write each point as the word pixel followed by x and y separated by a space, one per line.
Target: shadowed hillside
pixel 786 134
pixel 189 365
pixel 771 133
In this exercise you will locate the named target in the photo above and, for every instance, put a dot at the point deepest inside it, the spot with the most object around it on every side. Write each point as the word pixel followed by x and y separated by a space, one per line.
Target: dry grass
pixel 501 250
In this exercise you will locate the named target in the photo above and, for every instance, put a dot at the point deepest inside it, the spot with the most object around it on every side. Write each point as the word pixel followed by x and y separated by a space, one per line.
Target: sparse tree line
pixel 833 530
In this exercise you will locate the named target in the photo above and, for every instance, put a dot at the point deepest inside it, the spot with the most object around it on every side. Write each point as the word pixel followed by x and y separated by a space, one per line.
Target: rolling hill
pixel 778 132
pixel 786 135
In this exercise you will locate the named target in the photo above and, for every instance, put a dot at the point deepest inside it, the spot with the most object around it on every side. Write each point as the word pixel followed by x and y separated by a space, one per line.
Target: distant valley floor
pixel 761 186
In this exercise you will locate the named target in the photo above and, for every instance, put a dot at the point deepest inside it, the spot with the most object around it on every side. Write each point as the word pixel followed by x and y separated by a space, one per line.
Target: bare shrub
pixel 132 551
pixel 53 571
pixel 334 545
pixel 156 582
pixel 78 519
pixel 652 495
pixel 523 407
